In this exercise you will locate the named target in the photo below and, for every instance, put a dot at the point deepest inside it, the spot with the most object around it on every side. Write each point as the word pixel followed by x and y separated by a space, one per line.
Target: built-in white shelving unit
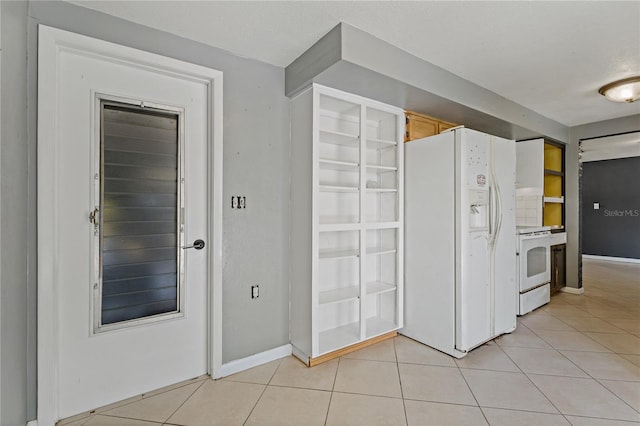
pixel 346 220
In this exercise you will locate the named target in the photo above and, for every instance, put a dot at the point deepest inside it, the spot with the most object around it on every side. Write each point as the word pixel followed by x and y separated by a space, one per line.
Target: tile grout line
pixel 517 366
pixel 397 398
pixel 536 387
pixel 255 404
pixel 122 417
pixel 186 399
pixel 404 405
pixel 583 333
pixel 590 377
pixel 630 422
pixel 333 386
pixel 475 398
pixel 266 385
pixel 104 413
pixel 614 394
pixel 568 359
pixel 565 357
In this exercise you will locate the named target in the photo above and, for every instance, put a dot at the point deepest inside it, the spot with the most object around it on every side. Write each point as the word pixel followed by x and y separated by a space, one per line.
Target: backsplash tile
pixel 528 210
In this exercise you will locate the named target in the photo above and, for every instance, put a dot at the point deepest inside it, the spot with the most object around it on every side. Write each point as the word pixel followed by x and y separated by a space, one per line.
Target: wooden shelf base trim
pixel 360 345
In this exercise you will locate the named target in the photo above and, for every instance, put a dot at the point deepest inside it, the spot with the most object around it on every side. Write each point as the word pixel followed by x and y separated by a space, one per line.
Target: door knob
pixel 197 244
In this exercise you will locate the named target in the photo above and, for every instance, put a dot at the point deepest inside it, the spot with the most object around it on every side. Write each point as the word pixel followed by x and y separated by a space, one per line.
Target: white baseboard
pixel 32 423
pixel 572 290
pixel 300 355
pixel 242 364
pixel 611 258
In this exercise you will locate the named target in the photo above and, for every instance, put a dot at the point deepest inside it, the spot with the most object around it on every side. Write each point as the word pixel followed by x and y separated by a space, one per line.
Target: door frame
pixel 51 42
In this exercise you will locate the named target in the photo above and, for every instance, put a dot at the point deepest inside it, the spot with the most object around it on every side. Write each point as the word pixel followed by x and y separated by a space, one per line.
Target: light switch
pixel 596 206
pixel 238 202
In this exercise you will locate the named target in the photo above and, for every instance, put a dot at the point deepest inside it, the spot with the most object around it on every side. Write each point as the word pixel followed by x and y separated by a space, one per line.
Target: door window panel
pixel 140 206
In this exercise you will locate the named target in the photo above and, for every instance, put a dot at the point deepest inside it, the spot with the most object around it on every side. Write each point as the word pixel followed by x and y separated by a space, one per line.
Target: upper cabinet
pixel 420 126
pixel 530 166
pixel 346 232
pixel 540 184
pixel 554 185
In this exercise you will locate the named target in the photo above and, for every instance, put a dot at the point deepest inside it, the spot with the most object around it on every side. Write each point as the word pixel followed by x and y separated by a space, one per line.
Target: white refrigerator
pixel 460 240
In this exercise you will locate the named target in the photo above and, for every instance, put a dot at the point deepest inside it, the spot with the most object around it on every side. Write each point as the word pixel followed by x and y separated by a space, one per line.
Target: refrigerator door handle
pixel 495 207
pixel 491 214
pixel 498 211
pixel 495 198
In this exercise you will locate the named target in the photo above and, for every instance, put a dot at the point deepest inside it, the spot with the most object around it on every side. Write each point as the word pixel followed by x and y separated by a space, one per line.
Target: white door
pixel 129 302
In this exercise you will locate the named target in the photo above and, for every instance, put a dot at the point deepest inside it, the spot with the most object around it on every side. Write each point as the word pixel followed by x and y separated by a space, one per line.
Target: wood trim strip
pixel 356 346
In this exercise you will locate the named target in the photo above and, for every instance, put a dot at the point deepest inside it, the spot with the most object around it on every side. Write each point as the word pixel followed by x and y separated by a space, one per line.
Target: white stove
pixel 534 267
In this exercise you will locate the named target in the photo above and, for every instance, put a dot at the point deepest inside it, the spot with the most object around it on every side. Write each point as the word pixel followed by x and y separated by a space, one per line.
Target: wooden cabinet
pixel 420 126
pixel 558 267
pixel 554 186
pixel 346 232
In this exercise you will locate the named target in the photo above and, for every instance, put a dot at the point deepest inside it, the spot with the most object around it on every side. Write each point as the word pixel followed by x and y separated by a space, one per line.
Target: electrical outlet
pixel 255 291
pixel 234 202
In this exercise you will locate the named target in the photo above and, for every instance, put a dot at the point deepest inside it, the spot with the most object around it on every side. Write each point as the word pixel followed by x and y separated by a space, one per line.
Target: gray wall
pixel 572 181
pixel 13 218
pixel 614 228
pixel 256 153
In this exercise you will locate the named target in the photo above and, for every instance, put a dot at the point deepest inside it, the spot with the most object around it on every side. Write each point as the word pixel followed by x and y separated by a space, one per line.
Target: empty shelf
pixel 380 250
pixel 554 199
pixel 378 287
pixel 376 326
pixel 338 295
pixel 380 143
pixel 338 165
pixel 339 337
pixel 334 188
pixel 338 138
pixel 338 254
pixel 381 169
pixel 375 223
pixel 381 190
pixel 337 220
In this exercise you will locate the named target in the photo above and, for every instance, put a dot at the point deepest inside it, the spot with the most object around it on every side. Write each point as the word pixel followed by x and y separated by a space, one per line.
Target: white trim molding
pixel 611 258
pixel 242 364
pixel 51 42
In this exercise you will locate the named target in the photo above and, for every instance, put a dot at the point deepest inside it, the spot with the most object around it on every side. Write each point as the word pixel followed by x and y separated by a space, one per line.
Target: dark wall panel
pixel 614 228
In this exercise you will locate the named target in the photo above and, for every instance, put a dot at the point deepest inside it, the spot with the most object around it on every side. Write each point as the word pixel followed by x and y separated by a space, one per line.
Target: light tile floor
pixel 575 362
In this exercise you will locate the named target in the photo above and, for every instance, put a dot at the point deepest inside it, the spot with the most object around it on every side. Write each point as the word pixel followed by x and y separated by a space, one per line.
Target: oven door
pixel 535 261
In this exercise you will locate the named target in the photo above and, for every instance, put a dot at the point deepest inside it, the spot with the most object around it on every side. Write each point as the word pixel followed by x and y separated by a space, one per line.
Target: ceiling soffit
pixel 352 60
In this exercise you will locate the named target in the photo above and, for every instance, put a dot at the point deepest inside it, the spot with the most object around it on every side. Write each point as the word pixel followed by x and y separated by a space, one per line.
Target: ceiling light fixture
pixel 625 90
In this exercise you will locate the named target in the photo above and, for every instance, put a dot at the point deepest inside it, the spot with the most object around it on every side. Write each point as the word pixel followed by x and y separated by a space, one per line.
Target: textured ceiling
pixel 550 57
